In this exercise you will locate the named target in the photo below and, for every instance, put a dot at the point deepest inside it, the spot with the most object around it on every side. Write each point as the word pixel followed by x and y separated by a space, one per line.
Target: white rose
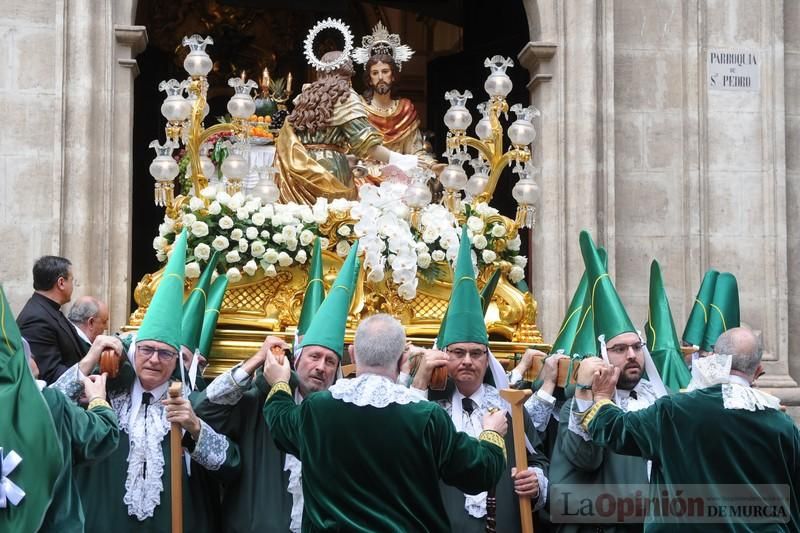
pixel 234 275
pixel 202 251
pixel 488 256
pixel 289 232
pixel 438 255
pixel 242 214
pixel 258 218
pixel 375 275
pixel 251 233
pixel 237 234
pixel 424 261
pixel 196 204
pixel 301 257
pixel 161 256
pixel 408 290
pixel 188 220
pixel 268 211
pixel 159 243
pixel 342 248
pixel 243 244
pixel 209 193
pixel 516 274
pixel 199 229
pixel 324 243
pixel 498 230
pixel 278 238
pixel 250 267
pixel 232 256
pixel 253 205
pixel 421 248
pixel 169 224
pixel 270 256
pixel 429 235
pixel 264 234
pixel 235 203
pixel 223 197
pixel 475 224
pixel 219 243
pixel 291 244
pixel 521 261
pixel 163 229
pixel 192 270
pixel 225 222
pixel 480 242
pixel 306 237
pixel 284 259
pixel 270 271
pixel 514 244
pixel 214 208
pixel 344 230
pixel 257 249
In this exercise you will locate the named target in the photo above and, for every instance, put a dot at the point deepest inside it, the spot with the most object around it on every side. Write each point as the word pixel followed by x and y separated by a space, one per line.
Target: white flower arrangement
pixel 252 236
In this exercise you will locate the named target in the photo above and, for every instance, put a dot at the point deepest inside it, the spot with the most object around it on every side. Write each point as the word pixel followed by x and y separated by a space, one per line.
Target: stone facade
pixel 633 145
pixel 637 147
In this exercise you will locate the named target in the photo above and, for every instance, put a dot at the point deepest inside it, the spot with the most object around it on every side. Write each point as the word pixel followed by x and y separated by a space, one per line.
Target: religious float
pixel 232 201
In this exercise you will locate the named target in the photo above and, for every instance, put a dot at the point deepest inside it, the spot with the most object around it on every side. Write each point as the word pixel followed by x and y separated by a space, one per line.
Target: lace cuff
pixel 540 407
pixel 211 448
pixel 543 485
pixel 69 383
pixel 575 418
pixel 225 390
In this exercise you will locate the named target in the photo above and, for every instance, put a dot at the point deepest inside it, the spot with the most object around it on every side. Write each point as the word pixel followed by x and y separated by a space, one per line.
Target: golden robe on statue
pixel 399 126
pixel 314 165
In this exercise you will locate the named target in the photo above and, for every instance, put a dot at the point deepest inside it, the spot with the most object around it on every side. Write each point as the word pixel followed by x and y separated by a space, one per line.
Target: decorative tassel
pixel 526 216
pixel 415 217
pixel 164 193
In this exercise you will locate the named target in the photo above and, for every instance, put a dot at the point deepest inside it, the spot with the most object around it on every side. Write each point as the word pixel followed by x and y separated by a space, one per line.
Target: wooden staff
pixel 517 398
pixel 176 468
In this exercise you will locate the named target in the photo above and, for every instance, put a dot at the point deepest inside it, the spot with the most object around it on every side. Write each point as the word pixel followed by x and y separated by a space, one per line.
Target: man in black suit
pixel 54 342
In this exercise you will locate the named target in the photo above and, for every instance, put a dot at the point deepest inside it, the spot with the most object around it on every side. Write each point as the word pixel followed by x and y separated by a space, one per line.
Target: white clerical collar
pixel 476 396
pixel 739 380
pixel 81 334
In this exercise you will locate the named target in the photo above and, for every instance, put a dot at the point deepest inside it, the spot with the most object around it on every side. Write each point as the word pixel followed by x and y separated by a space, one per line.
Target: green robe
pixel 507 513
pixel 84 436
pixel 374 469
pixel 258 499
pixel 576 461
pixel 693 439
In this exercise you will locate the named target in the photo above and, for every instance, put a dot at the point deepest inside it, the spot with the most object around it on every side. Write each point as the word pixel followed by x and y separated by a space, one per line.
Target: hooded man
pixel 475 377
pixel 130 490
pixel 577 462
pixel 268 495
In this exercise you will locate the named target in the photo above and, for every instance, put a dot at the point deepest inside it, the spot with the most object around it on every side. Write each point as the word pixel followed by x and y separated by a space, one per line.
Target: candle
pixel 289 84
pixel 243 76
pixel 265 80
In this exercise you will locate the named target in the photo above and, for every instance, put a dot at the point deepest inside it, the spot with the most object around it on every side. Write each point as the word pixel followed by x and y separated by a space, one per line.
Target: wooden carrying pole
pixel 176 466
pixel 517 398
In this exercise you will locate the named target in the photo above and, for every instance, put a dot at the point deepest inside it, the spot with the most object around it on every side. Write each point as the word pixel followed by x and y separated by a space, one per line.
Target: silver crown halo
pixel 382 42
pixel 308 44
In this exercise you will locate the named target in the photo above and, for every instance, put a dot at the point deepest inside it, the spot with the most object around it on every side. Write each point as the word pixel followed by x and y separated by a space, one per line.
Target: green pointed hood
pixel 488 290
pixel 698 317
pixel 723 313
pixel 195 307
pixel 315 290
pixel 464 312
pixel 610 317
pixel 162 322
pixel 662 339
pixel 215 296
pixel 329 324
pixel 575 317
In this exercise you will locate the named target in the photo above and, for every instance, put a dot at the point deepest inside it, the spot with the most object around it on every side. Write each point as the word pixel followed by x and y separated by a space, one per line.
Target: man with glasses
pixel 475 376
pixel 130 490
pixel 578 464
pixel 54 342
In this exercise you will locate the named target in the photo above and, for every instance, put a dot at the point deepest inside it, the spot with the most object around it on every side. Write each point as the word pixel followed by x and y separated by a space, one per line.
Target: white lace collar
pixel 373 390
pixel 737 396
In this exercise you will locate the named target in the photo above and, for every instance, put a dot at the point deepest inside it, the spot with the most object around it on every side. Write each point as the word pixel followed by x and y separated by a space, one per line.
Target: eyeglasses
pixel 461 354
pixel 163 355
pixel 622 349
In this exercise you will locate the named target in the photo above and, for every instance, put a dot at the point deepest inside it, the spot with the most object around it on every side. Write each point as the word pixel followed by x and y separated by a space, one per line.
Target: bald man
pixel 90 318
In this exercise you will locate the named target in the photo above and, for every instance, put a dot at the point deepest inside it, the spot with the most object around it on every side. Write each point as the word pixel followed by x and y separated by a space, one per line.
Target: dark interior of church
pixel 250 35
